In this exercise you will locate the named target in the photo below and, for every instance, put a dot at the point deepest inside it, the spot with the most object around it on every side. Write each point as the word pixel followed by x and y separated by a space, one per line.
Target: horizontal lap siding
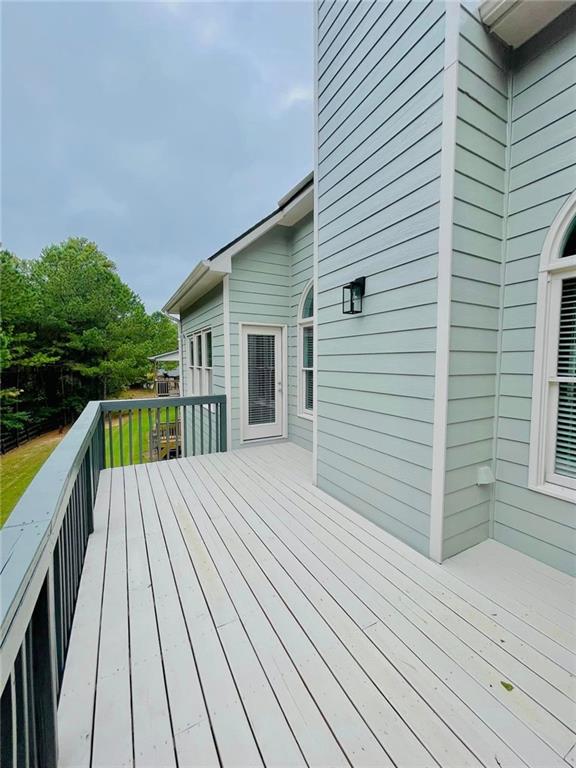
pixel 479 194
pixel 207 312
pixel 380 110
pixel 542 175
pixel 302 267
pixel 259 293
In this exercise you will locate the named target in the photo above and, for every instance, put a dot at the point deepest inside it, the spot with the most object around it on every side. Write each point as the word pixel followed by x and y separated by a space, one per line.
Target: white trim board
pixel 227 361
pixel 445 235
pixel 315 253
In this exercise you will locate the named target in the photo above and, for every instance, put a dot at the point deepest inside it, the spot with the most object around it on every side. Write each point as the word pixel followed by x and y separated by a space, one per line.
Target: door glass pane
pixel 261 379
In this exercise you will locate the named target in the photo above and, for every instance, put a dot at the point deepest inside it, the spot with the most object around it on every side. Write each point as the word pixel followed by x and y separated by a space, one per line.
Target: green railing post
pixel 223 426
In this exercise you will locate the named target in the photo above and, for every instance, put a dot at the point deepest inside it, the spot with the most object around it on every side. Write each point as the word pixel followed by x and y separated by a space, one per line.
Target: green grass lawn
pixel 19 466
pixel 136 424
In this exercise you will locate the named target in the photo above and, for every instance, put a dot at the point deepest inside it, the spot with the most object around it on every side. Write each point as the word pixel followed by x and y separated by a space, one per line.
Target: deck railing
pixel 43 544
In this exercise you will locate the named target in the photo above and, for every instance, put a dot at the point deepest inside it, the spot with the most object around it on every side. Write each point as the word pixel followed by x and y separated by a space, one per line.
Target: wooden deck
pixel 230 613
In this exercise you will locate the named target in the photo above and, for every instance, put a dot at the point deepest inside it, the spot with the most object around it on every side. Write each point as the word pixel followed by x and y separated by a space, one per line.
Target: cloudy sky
pixel 160 130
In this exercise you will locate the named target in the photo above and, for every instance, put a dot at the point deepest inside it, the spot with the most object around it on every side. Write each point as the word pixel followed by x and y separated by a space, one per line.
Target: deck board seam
pixel 100 623
pixel 184 618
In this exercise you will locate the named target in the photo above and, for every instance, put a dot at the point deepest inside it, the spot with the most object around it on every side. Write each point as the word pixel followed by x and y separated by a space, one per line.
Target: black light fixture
pixel 352 294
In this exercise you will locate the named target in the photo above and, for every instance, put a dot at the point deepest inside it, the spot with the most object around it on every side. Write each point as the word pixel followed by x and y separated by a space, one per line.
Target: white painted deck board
pixel 249 618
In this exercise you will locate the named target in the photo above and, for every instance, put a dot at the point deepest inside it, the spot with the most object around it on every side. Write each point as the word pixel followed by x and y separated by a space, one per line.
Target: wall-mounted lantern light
pixel 352 294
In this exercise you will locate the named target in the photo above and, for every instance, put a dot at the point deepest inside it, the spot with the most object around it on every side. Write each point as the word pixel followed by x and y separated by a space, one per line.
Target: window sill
pixel 557 491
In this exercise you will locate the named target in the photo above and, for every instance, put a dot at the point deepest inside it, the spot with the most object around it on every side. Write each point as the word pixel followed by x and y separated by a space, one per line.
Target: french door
pixel 262 382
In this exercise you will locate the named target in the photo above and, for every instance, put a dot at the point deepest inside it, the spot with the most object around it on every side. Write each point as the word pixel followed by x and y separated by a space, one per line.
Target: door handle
pixel 279 386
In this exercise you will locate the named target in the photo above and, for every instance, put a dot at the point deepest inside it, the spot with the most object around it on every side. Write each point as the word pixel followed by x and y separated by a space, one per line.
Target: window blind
pixel 565 456
pixel 261 379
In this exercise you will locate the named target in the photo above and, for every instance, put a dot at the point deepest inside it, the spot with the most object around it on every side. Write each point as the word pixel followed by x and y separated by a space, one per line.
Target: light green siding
pixel 207 312
pixel 259 293
pixel 380 110
pixel 479 206
pixel 542 175
pixel 301 271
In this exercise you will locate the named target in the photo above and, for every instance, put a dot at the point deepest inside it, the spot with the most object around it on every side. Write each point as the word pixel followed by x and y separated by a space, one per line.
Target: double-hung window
pixel 306 353
pixel 553 435
pixel 200 352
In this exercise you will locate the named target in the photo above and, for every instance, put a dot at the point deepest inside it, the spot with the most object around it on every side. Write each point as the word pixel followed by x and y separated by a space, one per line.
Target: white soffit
pixel 516 21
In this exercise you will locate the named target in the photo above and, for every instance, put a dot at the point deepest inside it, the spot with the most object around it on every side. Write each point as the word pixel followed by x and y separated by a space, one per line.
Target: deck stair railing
pixel 43 545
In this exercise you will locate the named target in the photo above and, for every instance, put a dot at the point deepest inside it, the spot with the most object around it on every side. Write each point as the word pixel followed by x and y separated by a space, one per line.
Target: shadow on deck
pixel 230 613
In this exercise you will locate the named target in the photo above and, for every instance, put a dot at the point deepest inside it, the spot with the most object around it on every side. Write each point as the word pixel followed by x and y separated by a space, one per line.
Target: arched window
pixel 553 430
pixel 306 353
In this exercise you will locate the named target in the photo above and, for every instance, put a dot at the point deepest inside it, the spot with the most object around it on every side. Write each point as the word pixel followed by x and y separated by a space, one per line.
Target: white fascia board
pixel 205 276
pixel 296 188
pixel 516 21
pixel 209 273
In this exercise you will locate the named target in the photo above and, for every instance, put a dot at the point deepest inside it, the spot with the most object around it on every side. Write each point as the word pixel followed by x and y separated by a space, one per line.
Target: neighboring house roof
pixel 166 357
pixel 516 21
pixel 298 202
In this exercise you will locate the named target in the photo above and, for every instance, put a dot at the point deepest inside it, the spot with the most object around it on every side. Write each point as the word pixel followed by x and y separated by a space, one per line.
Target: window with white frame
pixel 200 358
pixel 553 430
pixel 306 353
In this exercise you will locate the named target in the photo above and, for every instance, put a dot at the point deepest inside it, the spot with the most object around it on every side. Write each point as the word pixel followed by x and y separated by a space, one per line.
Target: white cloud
pixel 297 94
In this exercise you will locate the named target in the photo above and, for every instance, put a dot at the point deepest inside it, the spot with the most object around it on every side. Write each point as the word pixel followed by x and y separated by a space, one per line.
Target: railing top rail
pixel 35 522
pixel 108 406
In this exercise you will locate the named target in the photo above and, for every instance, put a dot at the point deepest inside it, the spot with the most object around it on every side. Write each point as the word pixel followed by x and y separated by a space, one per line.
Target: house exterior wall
pixel 207 312
pixel 542 175
pixel 380 100
pixel 301 272
pixel 259 293
pixel 380 82
pixel 480 179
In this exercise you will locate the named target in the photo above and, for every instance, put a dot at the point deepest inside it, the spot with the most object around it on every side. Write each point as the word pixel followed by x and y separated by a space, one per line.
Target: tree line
pixel 70 331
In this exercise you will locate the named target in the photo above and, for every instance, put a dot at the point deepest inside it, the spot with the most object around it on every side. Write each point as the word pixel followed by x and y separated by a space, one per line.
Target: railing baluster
pixel 111 440
pixel 201 430
pixel 150 435
pixel 22 741
pixel 7 726
pixel 184 432
pixel 140 456
pixel 223 426
pixel 209 429
pixel 130 412
pixel 121 437
pixel 194 430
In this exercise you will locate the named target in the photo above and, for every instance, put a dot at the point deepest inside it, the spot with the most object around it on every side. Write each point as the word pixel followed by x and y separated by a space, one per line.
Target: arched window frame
pixel 304 322
pixel 554 269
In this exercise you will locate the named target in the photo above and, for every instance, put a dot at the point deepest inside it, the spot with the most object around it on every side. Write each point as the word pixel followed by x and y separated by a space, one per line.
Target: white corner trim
pixel 315 255
pixel 445 235
pixel 227 362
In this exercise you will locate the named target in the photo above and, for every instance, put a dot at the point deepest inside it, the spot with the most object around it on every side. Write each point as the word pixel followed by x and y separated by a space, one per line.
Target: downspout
pixel 504 254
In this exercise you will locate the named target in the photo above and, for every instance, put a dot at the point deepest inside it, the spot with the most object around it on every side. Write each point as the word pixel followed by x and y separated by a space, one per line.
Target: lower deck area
pixel 230 613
